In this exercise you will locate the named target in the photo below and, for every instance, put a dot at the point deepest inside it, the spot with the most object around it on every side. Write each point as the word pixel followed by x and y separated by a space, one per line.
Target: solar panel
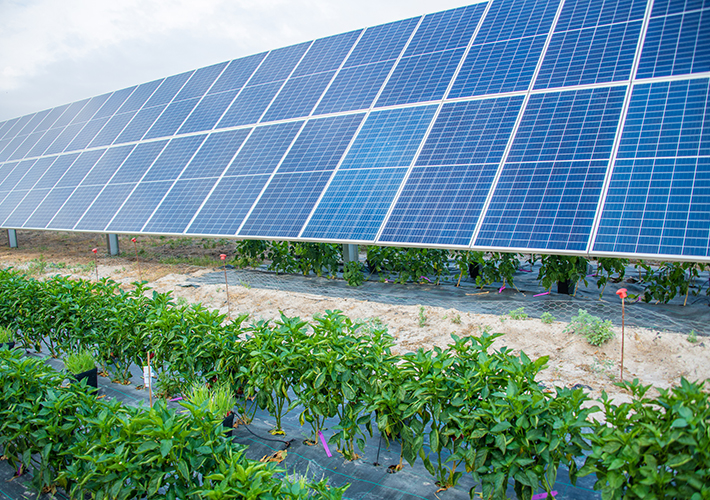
pixel 510 125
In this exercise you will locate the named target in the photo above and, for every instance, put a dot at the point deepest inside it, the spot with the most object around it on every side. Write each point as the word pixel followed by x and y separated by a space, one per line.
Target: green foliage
pixel 79 362
pixel 653 447
pixel 251 253
pixel 218 399
pixel 456 320
pixel 670 279
pixel 5 335
pixel 692 337
pixel 606 268
pixel 561 268
pixel 593 328
pixel 407 264
pixel 518 314
pixel 354 273
pixel 547 318
pixel 496 268
pixel 302 257
pixel 421 321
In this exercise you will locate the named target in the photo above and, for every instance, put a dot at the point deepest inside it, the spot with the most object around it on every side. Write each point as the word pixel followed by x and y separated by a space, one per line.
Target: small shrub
pixel 422 317
pixel 692 337
pixel 218 398
pixel 547 318
pixel 456 320
pixel 353 273
pixel 593 328
pixel 79 362
pixel 518 313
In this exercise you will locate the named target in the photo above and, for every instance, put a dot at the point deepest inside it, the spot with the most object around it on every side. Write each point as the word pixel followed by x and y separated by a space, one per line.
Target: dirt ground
pixel 657 358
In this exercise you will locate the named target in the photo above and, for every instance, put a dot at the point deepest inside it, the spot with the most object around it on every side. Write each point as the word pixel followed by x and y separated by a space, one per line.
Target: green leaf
pixel 679 423
pixel 501 427
pixel 434 440
pixel 165 446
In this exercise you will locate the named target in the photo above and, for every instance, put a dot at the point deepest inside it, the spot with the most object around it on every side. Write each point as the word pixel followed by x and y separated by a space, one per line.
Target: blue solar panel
pixel 676 45
pixel 545 205
pixel 667 7
pixel 168 89
pixel 355 204
pixel 69 114
pixel 58 168
pixel 321 144
pixel 24 207
pixel 657 206
pixel 64 139
pixel 10 203
pixel 139 206
pixel 508 19
pixel 24 148
pixel 111 130
pixel 50 119
pixel 667 119
pixel 571 125
pixel 471 132
pixel 20 124
pixel 16 175
pixel 450 29
pixel 5 170
pixel 49 207
pixel 88 111
pixel 439 205
pixel 298 97
pixel 104 207
pixel 200 81
pixel 32 124
pixel 264 149
pixel 74 207
pixel 389 138
pixel 107 166
pixel 80 168
pixel 46 141
pixel 140 96
pixel 216 153
pixel 171 119
pixel 173 159
pixel 285 205
pixel 5 127
pixel 237 73
pixel 327 54
pixel 421 78
pixel 208 112
pixel 355 88
pixel 577 14
pixel 114 102
pixel 492 68
pixel 249 105
pixel 382 43
pixel 139 161
pixel 279 64
pixel 180 205
pixel 228 204
pixel 11 147
pixel 140 123
pixel 87 134
pixel 592 55
pixel 31 172
pixel 3 144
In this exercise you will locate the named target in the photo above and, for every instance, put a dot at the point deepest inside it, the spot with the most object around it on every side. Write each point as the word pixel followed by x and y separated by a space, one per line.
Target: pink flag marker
pixel 325 445
pixel 501 289
pixel 541 294
pixel 540 496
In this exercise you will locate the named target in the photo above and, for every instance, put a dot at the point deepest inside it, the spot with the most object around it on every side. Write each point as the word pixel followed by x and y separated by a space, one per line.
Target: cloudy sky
pixel 53 52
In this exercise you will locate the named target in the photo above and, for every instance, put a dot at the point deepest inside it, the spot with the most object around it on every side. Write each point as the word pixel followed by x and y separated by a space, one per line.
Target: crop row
pixel 466 407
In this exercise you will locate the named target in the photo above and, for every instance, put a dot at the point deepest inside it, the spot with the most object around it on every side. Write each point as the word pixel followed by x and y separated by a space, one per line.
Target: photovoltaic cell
pixel 667 119
pixel 140 96
pixel 180 205
pixel 667 7
pixel 593 55
pixel 228 204
pixel 15 143
pixel 382 43
pixel 37 118
pixel 10 202
pixel 74 207
pixel 200 81
pixel 49 207
pixel 389 138
pixel 64 139
pixel 279 64
pixel 139 206
pixel 5 127
pixel 355 204
pixel 421 78
pixel 492 68
pixel 24 208
pixel 50 119
pixel 326 54
pixel 676 45
pixel 87 134
pixel 15 174
pixel 140 160
pixel 208 112
pixel 321 144
pixel 237 73
pixel 88 111
pixel 171 119
pixel 472 132
pixel 111 130
pixel 354 88
pixel 440 205
pixel 216 153
pixel 249 105
pixel 107 166
pixel 140 123
pixel 24 148
pixel 577 14
pixel 114 102
pixel 5 170
pixel 285 205
pixel 69 114
pixel 446 30
pixel 97 217
pixel 44 143
pixel 78 170
pixel 264 149
pixel 508 19
pixel 58 168
pixel 298 97
pixel 19 125
pixel 28 176
pixel 173 159
pixel 168 89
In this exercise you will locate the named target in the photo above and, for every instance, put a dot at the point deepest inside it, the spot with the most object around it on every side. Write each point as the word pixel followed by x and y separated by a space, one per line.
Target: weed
pixel 484 330
pixel 518 313
pixel 593 328
pixel 79 362
pixel 181 301
pixel 245 284
pixel 5 335
pixel 503 318
pixel 603 368
pixel 83 268
pixel 547 318
pixel 692 337
pixel 456 320
pixel 372 325
pixel 37 267
pixel 422 317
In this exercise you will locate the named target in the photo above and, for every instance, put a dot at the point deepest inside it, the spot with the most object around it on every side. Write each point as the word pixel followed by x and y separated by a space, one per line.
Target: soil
pixel 656 358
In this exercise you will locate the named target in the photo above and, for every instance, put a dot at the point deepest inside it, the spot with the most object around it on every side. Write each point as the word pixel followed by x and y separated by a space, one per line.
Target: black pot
pixel 565 287
pixel 10 345
pixel 228 423
pixel 474 270
pixel 92 378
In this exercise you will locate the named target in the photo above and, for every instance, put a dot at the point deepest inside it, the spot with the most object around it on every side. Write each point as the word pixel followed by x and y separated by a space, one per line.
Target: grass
pixel 5 335
pixel 422 317
pixel 79 362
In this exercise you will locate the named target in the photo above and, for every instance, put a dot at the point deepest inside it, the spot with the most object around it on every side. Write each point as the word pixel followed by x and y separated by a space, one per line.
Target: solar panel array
pixel 547 126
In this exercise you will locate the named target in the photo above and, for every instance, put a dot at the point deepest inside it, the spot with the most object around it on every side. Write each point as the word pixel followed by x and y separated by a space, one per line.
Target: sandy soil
pixel 657 358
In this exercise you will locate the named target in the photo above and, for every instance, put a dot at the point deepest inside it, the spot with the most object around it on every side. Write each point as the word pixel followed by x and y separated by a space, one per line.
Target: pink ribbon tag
pixel 325 445
pixel 501 289
pixel 540 496
pixel 541 294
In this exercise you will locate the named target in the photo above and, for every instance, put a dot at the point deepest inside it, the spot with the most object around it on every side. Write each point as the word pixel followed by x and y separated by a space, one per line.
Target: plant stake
pixel 226 284
pixel 150 377
pixel 140 274
pixel 96 254
pixel 621 292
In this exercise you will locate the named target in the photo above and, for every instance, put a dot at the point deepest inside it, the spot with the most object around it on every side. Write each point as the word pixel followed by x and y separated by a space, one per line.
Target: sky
pixel 55 52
